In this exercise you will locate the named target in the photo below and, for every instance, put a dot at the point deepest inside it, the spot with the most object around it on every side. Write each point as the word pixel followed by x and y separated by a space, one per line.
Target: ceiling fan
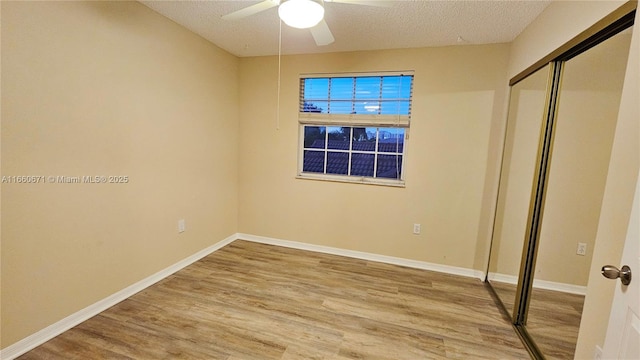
pixel 303 14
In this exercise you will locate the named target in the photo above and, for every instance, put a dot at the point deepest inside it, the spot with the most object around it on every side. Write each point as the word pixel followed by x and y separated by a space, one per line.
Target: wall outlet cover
pixel 582 249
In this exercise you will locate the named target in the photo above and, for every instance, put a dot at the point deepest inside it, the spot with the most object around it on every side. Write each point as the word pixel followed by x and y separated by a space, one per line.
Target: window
pixel 353 128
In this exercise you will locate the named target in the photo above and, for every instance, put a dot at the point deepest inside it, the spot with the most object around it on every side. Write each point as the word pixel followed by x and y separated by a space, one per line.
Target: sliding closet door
pixel 588 104
pixel 524 124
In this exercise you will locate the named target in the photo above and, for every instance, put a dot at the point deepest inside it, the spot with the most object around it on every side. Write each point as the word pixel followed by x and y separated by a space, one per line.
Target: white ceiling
pixel 406 24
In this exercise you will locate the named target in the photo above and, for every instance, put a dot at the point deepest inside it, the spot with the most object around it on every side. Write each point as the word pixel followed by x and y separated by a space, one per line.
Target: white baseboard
pixel 541 284
pixel 51 331
pixel 30 342
pixel 365 256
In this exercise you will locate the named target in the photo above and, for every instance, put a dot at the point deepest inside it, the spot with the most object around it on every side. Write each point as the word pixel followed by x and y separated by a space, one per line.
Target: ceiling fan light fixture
pixel 301 14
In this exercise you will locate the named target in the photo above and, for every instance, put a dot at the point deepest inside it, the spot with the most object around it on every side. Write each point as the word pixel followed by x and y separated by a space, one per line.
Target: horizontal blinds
pixel 357 120
pixel 380 99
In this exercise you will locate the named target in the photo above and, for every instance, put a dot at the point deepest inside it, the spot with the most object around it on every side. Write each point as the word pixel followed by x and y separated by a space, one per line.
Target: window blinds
pixel 358 100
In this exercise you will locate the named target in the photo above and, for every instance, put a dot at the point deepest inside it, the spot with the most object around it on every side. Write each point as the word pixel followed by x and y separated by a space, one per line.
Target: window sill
pixel 352 179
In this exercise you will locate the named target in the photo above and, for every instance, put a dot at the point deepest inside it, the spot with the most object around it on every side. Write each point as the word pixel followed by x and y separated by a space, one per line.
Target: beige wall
pixel 548 32
pixel 115 89
pixel 0 175
pixel 616 207
pixel 457 113
pixel 526 112
pixel 560 22
pixel 588 110
pixel 108 88
pixel 586 122
pixel 582 148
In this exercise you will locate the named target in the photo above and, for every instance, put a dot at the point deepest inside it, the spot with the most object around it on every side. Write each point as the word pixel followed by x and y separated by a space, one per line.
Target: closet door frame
pixel 609 26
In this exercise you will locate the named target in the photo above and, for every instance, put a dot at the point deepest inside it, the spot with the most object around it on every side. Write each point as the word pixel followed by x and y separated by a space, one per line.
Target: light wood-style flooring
pixel 256 301
pixel 553 321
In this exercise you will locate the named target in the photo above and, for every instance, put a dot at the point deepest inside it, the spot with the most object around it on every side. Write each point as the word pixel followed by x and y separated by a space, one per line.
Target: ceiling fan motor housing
pixel 301 14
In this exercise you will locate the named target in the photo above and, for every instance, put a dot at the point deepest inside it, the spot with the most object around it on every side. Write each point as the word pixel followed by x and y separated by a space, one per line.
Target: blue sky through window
pixel 385 95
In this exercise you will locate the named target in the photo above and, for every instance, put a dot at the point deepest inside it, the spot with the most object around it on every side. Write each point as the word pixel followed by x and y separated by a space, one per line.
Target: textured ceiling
pixel 406 24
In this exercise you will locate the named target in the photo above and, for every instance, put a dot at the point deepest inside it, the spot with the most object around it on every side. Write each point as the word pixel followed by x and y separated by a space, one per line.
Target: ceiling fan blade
pixel 322 34
pixel 251 10
pixel 364 2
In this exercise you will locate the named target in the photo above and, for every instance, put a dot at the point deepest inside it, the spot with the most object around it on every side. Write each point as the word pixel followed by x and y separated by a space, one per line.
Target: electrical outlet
pixel 416 229
pixel 582 249
pixel 181 226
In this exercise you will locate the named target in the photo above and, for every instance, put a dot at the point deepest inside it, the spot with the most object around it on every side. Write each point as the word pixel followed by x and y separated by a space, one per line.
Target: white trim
pixel 354 179
pixel 541 284
pixel 30 342
pixel 53 330
pixel 351 179
pixel 354 120
pixel 503 278
pixel 357 74
pixel 365 256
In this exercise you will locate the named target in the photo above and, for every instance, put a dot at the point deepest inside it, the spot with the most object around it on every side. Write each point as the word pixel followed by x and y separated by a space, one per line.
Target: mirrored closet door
pixel 558 142
pixel 526 112
pixel 587 111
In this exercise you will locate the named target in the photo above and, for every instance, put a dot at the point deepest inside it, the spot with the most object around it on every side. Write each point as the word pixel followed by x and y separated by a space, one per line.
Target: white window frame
pixel 353 121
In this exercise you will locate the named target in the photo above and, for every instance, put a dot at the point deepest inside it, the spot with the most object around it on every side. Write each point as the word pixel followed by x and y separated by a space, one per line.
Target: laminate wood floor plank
pixel 553 321
pixel 256 301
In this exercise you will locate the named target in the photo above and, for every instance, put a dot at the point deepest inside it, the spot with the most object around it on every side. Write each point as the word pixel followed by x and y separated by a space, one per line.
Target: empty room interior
pixel 397 180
